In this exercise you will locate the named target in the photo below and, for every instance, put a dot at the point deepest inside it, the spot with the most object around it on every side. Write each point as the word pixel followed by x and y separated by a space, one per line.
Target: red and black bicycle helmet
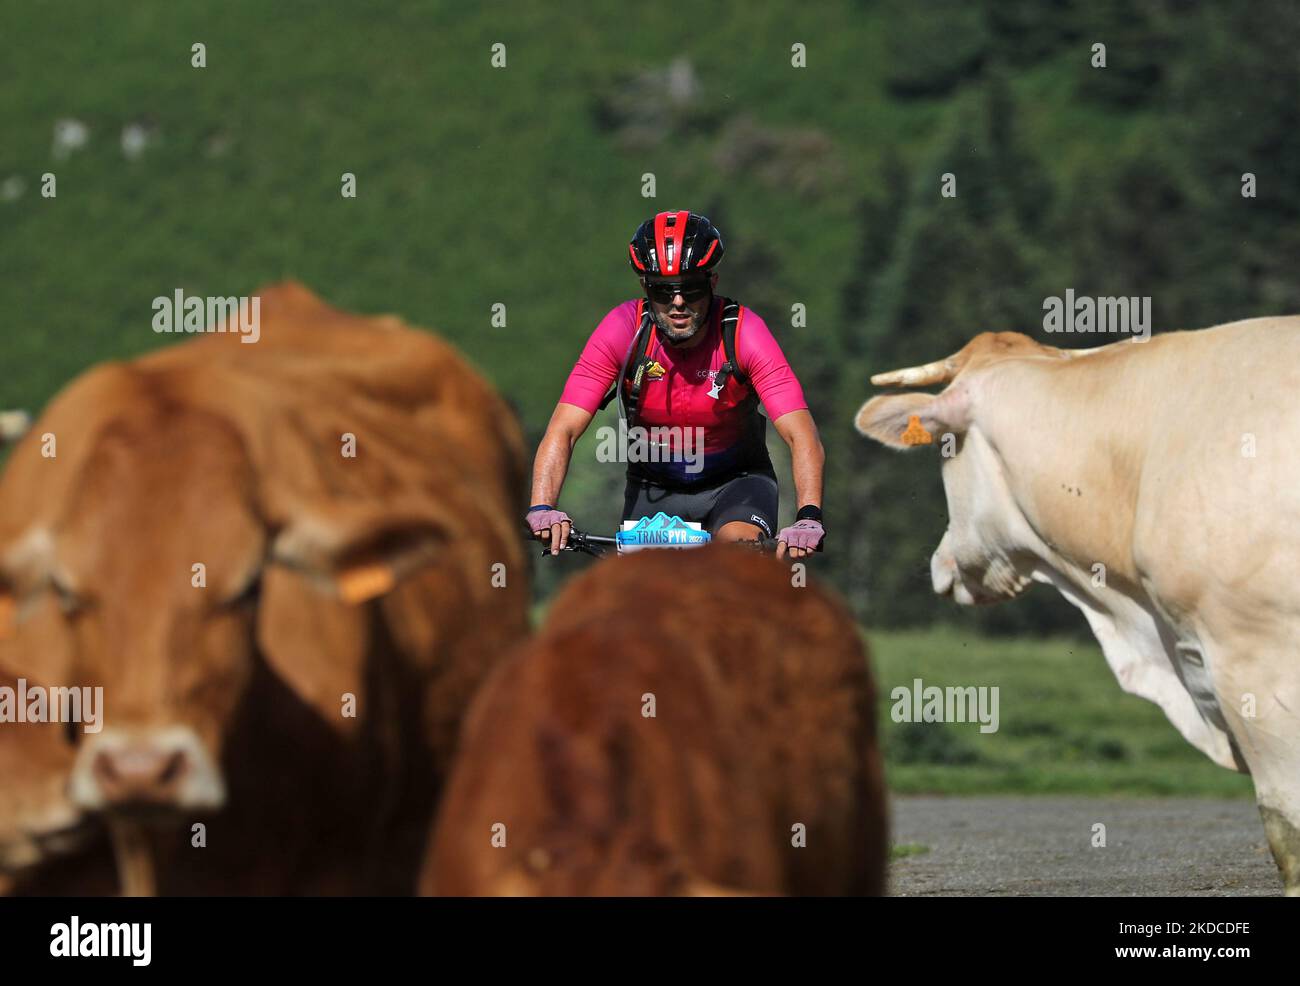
pixel 673 244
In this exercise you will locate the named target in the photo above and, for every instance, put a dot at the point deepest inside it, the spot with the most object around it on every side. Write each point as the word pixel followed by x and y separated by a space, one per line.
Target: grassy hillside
pixel 475 185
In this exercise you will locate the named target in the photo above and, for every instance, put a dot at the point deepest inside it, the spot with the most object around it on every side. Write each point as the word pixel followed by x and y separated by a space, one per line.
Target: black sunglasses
pixel 664 293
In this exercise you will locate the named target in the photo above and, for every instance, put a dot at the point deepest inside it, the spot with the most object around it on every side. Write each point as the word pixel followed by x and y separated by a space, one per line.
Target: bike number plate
pixel 660 531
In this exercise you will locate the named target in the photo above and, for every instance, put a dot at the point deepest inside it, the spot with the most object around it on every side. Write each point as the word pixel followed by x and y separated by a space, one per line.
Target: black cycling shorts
pixel 747 496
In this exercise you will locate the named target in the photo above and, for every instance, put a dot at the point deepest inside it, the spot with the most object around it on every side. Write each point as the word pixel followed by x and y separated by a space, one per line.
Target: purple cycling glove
pixel 542 520
pixel 546 520
pixel 806 534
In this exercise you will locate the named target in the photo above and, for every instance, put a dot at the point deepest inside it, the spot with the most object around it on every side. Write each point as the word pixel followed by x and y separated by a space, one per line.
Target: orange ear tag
pixel 364 582
pixel 915 433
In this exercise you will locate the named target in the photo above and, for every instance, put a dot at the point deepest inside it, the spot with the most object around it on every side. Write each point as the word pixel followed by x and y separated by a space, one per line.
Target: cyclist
pixel 689 369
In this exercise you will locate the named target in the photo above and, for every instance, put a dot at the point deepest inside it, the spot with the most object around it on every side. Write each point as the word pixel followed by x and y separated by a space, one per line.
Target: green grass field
pixel 456 164
pixel 1065 726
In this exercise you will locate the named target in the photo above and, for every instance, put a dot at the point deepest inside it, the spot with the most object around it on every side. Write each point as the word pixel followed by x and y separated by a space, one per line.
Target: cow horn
pixel 927 375
pixel 13 425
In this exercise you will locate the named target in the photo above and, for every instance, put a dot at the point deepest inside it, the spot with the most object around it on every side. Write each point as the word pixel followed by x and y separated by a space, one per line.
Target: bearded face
pixel 679 308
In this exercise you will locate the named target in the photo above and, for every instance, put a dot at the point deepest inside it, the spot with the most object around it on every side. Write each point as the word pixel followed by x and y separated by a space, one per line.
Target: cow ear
pixel 358 554
pixel 325 560
pixel 904 421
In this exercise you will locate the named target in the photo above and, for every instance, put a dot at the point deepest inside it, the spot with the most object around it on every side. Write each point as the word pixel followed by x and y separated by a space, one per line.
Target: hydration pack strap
pixel 731 368
pixel 634 366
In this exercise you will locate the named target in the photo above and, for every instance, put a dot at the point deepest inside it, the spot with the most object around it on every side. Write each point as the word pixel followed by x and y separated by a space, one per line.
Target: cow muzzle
pixel 943 574
pixel 948 579
pixel 943 568
pixel 160 769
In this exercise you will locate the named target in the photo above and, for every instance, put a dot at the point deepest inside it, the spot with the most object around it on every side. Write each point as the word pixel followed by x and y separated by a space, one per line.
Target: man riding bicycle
pixel 690 369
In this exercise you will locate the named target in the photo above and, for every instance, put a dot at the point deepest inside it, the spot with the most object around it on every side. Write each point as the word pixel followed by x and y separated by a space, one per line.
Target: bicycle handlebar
pixel 598 545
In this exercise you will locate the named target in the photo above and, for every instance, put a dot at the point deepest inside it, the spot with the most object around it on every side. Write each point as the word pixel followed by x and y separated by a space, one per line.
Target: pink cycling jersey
pixel 679 397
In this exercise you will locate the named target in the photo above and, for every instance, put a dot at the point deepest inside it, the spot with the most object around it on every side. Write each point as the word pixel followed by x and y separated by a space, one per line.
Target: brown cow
pixel 286 633
pixel 763 721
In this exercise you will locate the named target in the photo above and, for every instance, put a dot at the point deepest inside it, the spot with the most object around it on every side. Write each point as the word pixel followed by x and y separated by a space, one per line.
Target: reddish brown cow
pixel 762 736
pixel 240 583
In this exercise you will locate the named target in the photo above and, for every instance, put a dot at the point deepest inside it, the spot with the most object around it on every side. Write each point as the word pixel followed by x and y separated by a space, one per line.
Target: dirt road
pixel 1043 847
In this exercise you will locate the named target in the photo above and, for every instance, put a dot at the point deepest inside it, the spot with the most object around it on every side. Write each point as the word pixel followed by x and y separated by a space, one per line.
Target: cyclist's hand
pixel 802 538
pixel 552 526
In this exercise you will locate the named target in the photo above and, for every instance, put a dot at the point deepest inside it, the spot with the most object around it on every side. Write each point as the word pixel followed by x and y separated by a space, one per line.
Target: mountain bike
pixel 649 533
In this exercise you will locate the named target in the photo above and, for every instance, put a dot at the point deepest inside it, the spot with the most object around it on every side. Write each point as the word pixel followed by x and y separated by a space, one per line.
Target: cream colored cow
pixel 1157 485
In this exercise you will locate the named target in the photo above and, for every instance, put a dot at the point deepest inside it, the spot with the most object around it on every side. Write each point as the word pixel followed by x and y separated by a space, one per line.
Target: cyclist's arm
pixel 807 457
pixel 551 464
pixel 779 390
pixel 590 378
